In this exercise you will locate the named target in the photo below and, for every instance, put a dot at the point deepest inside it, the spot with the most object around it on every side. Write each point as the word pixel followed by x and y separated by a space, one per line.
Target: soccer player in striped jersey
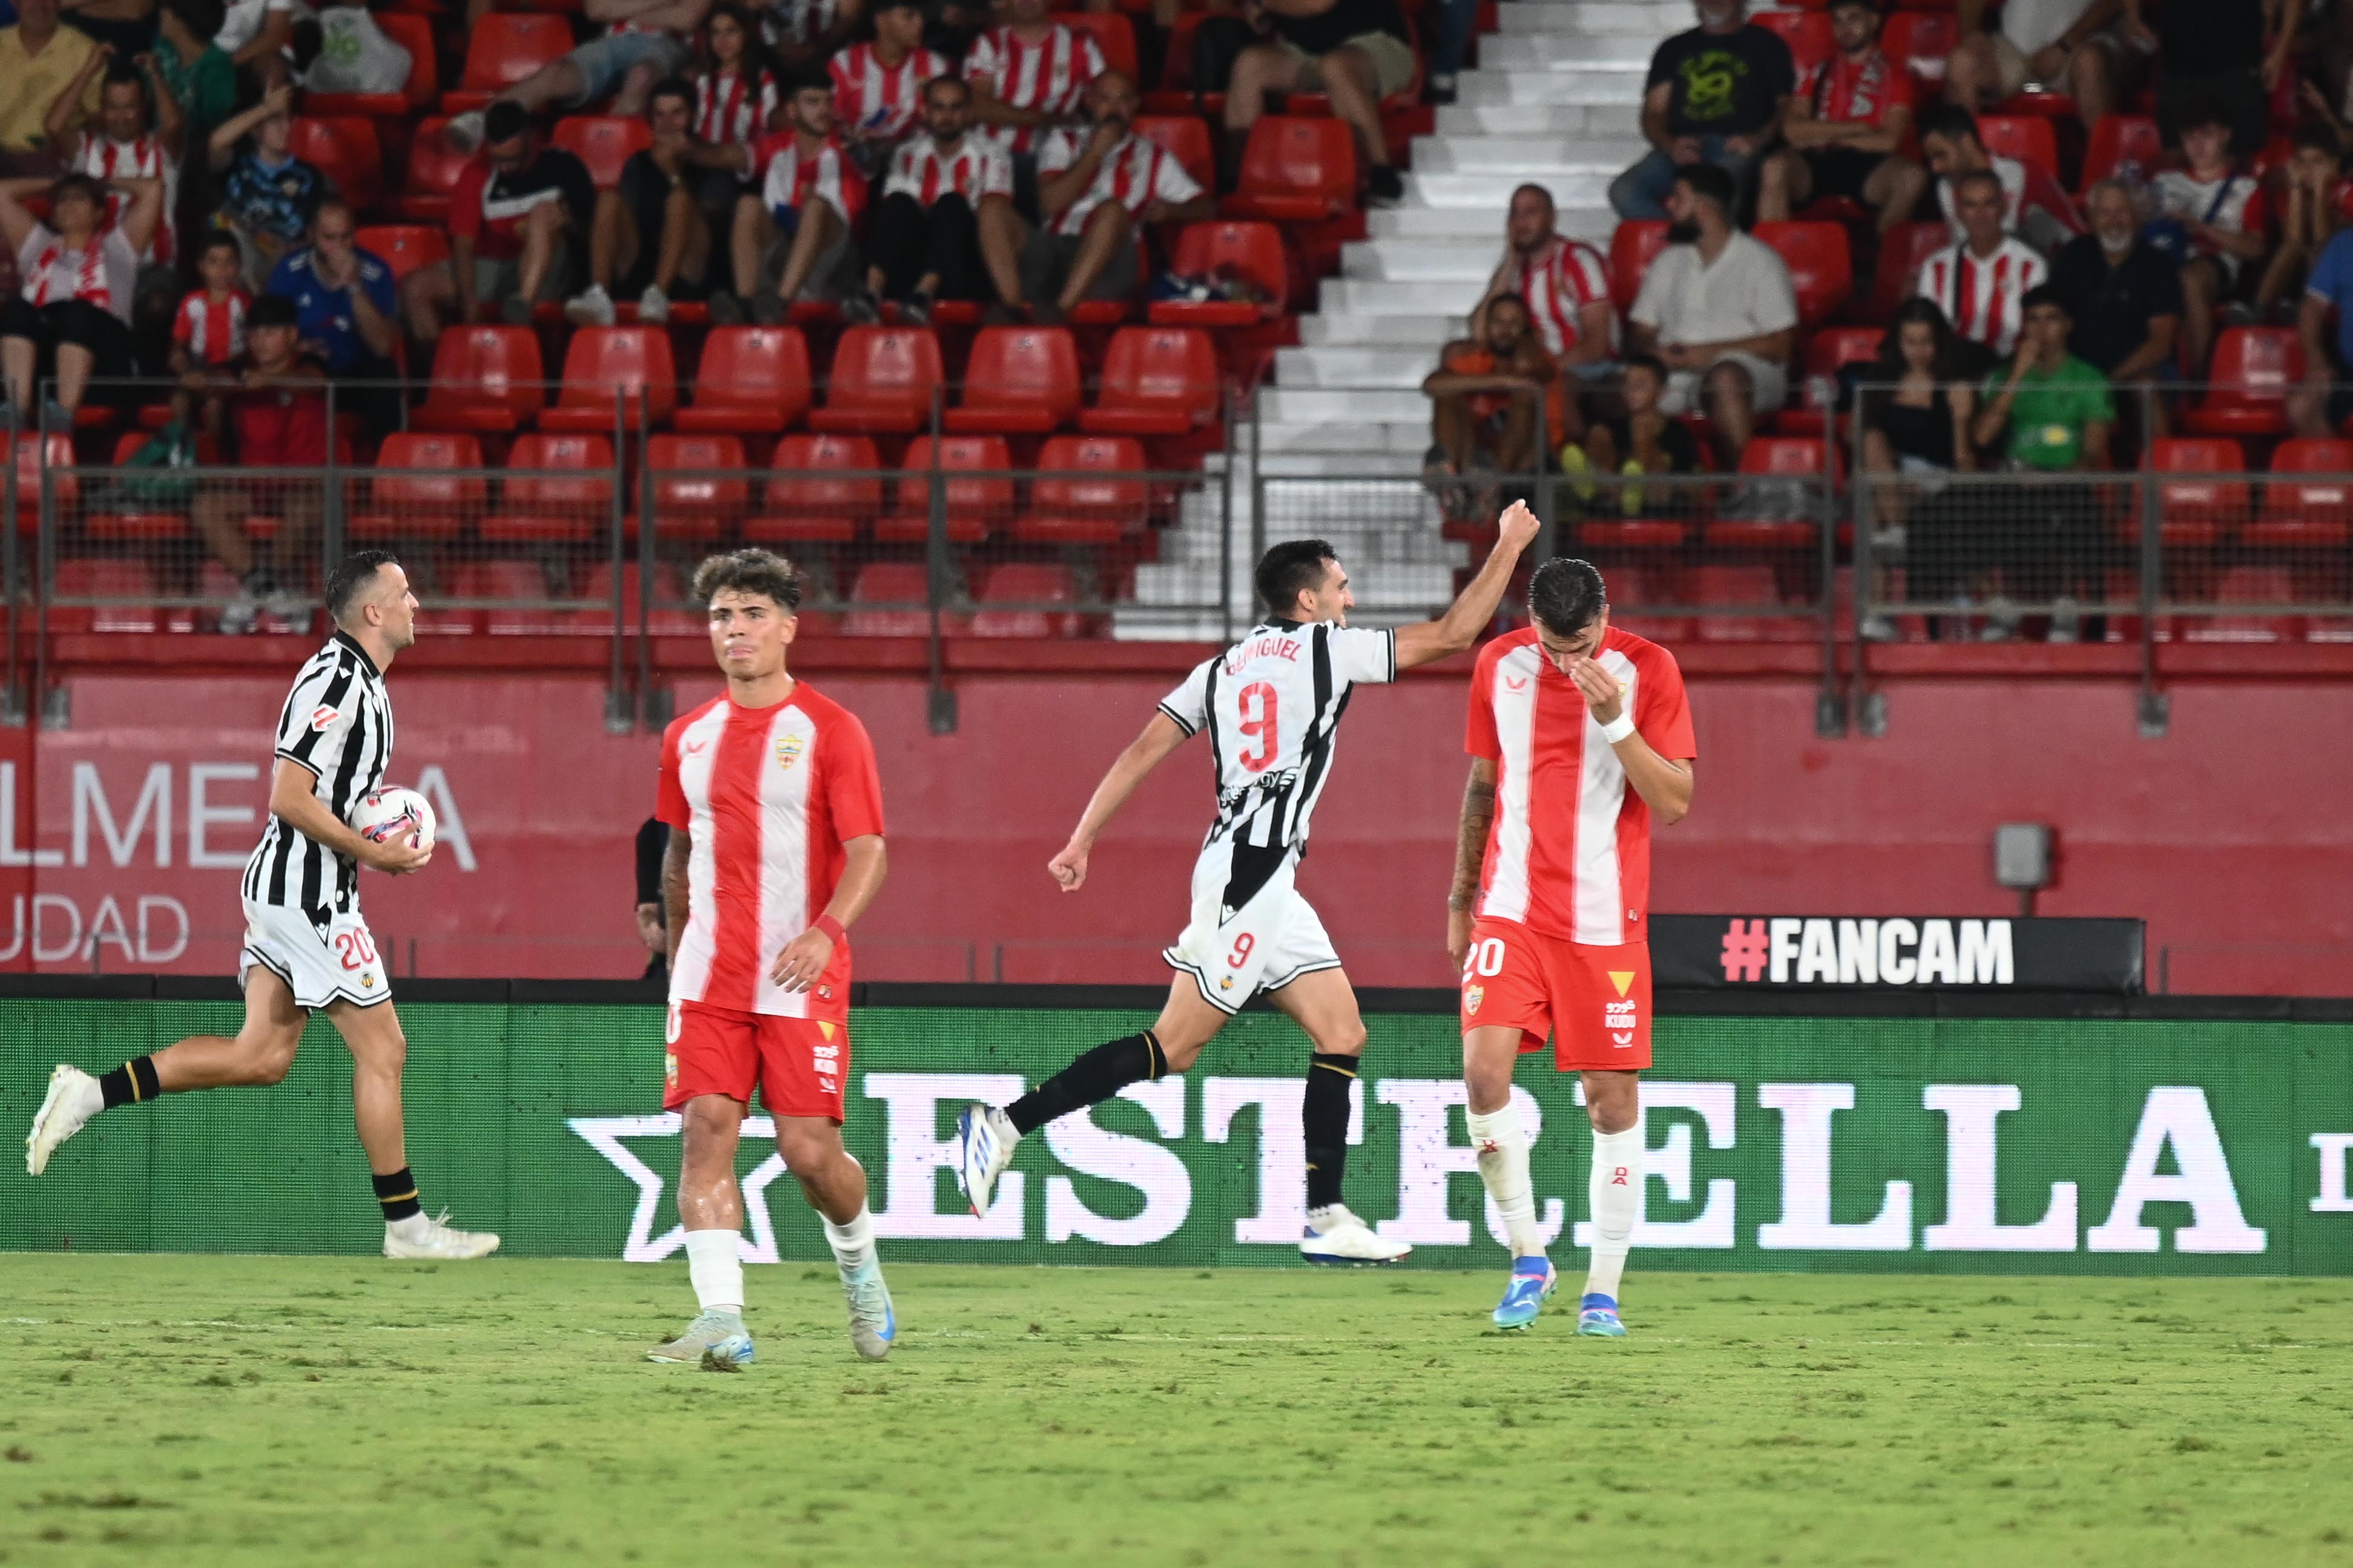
pixel 1271 705
pixel 776 848
pixel 307 947
pixel 1579 737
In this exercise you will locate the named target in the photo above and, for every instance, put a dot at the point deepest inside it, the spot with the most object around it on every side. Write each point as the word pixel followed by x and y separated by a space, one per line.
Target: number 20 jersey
pixel 1271 705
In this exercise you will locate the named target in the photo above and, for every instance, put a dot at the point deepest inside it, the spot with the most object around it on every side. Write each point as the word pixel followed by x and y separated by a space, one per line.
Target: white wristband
pixel 1618 729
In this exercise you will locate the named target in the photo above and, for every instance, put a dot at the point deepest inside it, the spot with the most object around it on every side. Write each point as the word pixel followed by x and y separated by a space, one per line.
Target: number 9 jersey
pixel 1271 706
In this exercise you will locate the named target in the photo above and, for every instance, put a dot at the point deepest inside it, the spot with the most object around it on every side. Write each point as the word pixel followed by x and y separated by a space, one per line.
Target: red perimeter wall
pixel 2231 836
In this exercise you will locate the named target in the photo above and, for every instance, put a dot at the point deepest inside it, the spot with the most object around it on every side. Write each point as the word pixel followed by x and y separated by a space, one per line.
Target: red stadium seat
pixel 1633 245
pixel 903 587
pixel 1019 381
pixel 1900 255
pixel 606 360
pixel 1156 381
pixel 1749 588
pixel 424 506
pixel 27 451
pixel 2315 513
pixel 504 48
pixel 2119 139
pixel 414 33
pixel 2198 512
pixel 1175 93
pixel 2025 137
pixel 753 381
pixel 346 150
pixel 671 617
pixel 404 247
pixel 430 172
pixel 129 585
pixel 1632 590
pixel 692 500
pixel 834 493
pixel 558 490
pixel 485 379
pixel 604 142
pixel 1296 171
pixel 164 521
pixel 1920 43
pixel 1187 138
pixel 1819 266
pixel 2249 585
pixel 1075 500
pixel 1828 352
pixel 882 382
pixel 1114 34
pixel 2253 370
pixel 1249 250
pixel 1807 34
pixel 977 508
pixel 1780 456
pixel 524 585
pixel 1028 583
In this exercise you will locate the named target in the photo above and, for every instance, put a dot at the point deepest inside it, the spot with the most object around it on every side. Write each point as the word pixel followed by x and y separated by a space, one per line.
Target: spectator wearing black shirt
pixel 651 234
pixel 2215 50
pixel 1716 95
pixel 1353 51
pixel 1645 441
pixel 2124 293
pixel 653 929
pixel 519 218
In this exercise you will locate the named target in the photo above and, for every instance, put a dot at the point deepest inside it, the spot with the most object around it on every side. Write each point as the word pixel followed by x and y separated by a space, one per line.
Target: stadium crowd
pixel 1830 198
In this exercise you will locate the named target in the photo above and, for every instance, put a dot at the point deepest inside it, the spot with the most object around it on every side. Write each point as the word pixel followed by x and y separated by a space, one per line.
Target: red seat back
pixel 2328 499
pixel 1807 34
pixel 412 449
pixel 2199 454
pixel 2120 139
pixel 1027 582
pixel 605 360
pixel 344 147
pixel 822 483
pixel 1289 156
pixel 1253 251
pixel 2025 137
pixel 415 34
pixel 1633 245
pixel 762 367
pixel 682 479
pixel 493 364
pixel 29 448
pixel 1900 255
pixel 403 246
pixel 604 142
pixel 508 45
pixel 1835 348
pixel 576 478
pixel 988 500
pixel 885 367
pixel 1920 43
pixel 433 166
pixel 1819 266
pixel 1798 457
pixel 1113 34
pixel 1068 482
pixel 2254 366
pixel 1023 367
pixel 1162 365
pixel 1186 140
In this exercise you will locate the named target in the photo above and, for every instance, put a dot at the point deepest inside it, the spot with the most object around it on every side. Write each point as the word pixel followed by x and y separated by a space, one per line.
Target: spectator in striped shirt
pixel 2035 207
pixel 736 97
pixel 71 317
pixel 791 239
pixel 209 333
pixel 1846 129
pixel 124 138
pixel 2207 204
pixel 1095 192
pixel 1981 282
pixel 1565 284
pixel 878 87
pixel 1029 76
pixel 651 233
pixel 925 242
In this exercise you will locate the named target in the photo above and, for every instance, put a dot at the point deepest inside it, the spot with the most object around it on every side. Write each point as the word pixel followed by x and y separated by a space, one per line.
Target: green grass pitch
pixel 263 1411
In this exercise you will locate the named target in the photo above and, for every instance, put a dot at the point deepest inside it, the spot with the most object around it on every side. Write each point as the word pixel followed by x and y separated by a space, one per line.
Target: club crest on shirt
pixel 1471 996
pixel 322 717
pixel 790 749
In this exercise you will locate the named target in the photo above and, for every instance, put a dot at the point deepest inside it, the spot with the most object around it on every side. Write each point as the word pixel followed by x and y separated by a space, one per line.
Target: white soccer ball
pixel 394 813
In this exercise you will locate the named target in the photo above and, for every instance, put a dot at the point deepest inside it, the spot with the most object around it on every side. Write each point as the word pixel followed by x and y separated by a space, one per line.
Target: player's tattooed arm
pixel 675 860
pixel 1469 854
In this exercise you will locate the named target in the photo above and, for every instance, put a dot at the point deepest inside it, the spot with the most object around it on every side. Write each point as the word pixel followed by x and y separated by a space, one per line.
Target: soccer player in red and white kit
pixel 1579 738
pixel 776 850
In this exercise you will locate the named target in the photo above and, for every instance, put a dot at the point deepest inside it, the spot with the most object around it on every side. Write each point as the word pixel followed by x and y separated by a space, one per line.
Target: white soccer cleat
pixel 716 1341
pixel 1334 1236
pixel 985 1141
pixel 73 1098
pixel 872 1324
pixel 437 1240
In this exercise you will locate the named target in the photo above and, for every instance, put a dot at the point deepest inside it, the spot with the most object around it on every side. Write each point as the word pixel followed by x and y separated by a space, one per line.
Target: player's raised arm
pixel 1162 735
pixel 1456 630
pixel 294 800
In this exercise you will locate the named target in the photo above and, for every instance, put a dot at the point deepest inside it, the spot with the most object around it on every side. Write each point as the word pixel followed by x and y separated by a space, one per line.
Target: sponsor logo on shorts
pixel 322 717
pixel 669 1066
pixel 790 749
pixel 367 982
pixel 1618 1018
pixel 1225 982
pixel 1621 978
pixel 826 1059
pixel 1471 996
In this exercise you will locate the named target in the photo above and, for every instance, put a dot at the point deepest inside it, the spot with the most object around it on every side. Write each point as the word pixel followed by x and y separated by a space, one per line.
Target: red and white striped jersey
pixel 794 177
pixel 880 99
pixel 1133 173
pixel 1839 90
pixel 104 158
pixel 213 332
pixel 104 272
pixel 733 110
pixel 1569 852
pixel 1981 296
pixel 768 797
pixel 975 170
pixel 1049 76
pixel 1567 275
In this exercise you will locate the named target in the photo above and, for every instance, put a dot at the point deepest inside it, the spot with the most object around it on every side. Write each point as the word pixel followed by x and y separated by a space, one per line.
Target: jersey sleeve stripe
pixel 1392 644
pixel 1177 719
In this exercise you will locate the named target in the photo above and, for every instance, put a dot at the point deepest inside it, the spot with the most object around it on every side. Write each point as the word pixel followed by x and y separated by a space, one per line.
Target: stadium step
pixel 1391 367
pixel 1591 224
pixel 1470 260
pixel 1367 331
pixel 1532 120
pixel 1574 48
pixel 1604 86
pixel 1490 190
pixel 1550 156
pixel 1651 19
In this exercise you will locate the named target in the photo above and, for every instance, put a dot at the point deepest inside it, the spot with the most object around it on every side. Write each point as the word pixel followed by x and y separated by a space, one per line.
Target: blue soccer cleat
pixel 1533 1279
pixel 715 1340
pixel 1598 1315
pixel 872 1324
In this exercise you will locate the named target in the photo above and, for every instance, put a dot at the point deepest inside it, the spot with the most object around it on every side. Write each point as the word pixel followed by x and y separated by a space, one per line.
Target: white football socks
pixel 1504 1167
pixel 1616 1195
pixel 717 1272
pixel 852 1244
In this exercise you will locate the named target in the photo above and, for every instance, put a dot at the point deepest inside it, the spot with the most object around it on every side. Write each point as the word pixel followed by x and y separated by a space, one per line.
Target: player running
pixel 306 945
pixel 776 850
pixel 1271 704
pixel 1545 915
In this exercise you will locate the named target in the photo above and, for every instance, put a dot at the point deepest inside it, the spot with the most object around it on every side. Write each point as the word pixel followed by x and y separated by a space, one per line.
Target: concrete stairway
pixel 1342 426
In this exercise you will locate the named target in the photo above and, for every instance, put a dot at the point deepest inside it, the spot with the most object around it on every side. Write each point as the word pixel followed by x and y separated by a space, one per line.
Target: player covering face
pixel 759 948
pixel 1271 704
pixel 1580 736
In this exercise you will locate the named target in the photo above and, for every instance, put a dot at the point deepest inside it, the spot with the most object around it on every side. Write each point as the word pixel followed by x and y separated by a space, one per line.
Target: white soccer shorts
pixel 319 964
pixel 1251 929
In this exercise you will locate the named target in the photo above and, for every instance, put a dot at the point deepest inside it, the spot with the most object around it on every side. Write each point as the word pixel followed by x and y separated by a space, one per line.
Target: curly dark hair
pixel 749 572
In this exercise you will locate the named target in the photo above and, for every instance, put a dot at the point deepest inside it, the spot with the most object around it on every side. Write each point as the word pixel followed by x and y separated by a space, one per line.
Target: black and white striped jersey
pixel 1271 704
pixel 337 722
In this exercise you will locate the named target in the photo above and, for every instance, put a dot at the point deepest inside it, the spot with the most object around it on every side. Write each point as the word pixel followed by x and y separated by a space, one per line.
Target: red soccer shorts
pixel 1593 1001
pixel 798 1065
